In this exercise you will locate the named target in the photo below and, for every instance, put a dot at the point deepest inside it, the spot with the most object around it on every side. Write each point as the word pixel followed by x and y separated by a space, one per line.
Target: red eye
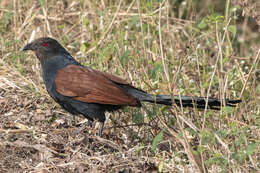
pixel 44 44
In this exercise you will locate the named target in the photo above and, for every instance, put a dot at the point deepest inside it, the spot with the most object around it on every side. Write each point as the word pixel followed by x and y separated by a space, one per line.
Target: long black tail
pixel 185 101
pixel 191 101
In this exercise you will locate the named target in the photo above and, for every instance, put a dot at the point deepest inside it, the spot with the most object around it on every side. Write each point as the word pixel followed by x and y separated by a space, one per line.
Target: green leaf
pixel 207 137
pixel 173 121
pixel 139 148
pixel 251 148
pixel 209 114
pixel 138 117
pixel 42 2
pixel 101 13
pixel 51 119
pixel 227 110
pixel 83 48
pixel 160 167
pixel 258 89
pixel 226 59
pixel 202 24
pixel 151 114
pixel 157 139
pixel 232 29
pixel 124 58
pixel 134 21
pixel 156 69
pixel 5 20
pixel 85 21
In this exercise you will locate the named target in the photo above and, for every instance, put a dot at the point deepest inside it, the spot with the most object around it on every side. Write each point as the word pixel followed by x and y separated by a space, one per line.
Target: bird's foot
pixel 101 127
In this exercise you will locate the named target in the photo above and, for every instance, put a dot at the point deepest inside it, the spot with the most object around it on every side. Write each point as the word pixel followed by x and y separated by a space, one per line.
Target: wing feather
pixel 92 86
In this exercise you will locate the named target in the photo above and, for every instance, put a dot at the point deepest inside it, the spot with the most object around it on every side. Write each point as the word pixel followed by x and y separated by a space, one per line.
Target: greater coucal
pixel 82 90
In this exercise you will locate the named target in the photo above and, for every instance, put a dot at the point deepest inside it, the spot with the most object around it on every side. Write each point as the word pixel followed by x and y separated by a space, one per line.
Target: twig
pixel 7 131
pixel 255 63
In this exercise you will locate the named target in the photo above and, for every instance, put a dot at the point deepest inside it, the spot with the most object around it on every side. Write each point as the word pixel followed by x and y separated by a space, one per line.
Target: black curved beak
pixel 28 47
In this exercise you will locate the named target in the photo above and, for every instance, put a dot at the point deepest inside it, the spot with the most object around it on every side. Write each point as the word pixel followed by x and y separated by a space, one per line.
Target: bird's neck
pixel 55 62
pixel 50 66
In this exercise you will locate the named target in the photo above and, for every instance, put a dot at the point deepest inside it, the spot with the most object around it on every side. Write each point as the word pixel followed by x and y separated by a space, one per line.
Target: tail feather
pixel 191 101
pixel 185 101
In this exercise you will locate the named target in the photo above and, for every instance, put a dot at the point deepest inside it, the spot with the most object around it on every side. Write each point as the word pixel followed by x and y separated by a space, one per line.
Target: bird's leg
pixel 101 127
pixel 83 126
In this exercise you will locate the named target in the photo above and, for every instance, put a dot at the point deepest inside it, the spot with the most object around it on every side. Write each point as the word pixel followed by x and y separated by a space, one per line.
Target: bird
pixel 91 93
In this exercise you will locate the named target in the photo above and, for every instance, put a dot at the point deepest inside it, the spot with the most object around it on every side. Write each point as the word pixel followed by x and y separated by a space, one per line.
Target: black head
pixel 44 47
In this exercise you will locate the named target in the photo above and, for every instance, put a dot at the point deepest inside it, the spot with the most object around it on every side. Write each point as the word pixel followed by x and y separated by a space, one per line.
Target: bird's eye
pixel 44 44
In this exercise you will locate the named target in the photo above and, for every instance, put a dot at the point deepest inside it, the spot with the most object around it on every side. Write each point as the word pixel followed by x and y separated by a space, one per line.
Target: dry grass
pixel 161 47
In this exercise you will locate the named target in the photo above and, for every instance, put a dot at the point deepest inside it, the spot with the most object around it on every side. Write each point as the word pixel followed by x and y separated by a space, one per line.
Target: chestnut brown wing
pixel 92 86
